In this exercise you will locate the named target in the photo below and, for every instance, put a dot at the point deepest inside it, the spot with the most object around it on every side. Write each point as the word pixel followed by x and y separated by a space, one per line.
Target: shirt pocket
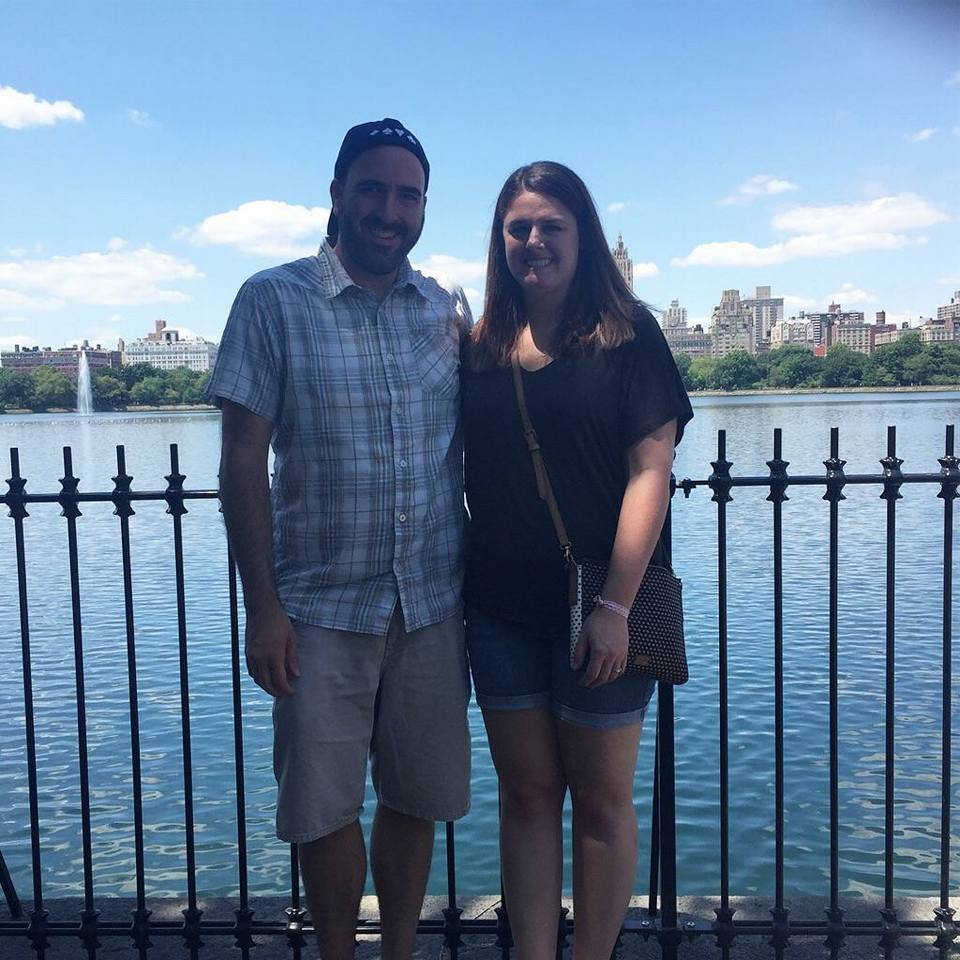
pixel 437 358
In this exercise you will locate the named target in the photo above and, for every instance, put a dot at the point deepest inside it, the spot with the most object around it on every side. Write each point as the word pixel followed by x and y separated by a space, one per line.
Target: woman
pixel 608 404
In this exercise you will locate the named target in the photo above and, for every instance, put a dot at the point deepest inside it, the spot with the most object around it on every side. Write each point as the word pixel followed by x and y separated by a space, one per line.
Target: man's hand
pixel 603 646
pixel 271 650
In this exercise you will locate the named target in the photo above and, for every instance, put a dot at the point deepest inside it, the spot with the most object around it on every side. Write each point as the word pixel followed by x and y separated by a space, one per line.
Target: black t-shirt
pixel 588 409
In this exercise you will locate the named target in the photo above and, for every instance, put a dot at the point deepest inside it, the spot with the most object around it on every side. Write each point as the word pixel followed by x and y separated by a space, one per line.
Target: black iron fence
pixel 661 922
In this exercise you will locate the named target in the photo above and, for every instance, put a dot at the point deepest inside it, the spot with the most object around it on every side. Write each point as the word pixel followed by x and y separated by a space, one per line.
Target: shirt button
pixel 403 463
pixel 390 357
pixel 402 518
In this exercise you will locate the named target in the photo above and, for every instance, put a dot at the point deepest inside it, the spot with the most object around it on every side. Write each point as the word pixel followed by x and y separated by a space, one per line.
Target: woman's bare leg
pixel 599 765
pixel 526 754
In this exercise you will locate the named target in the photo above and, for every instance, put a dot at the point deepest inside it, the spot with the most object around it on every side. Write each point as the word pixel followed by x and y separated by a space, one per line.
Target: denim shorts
pixel 517 667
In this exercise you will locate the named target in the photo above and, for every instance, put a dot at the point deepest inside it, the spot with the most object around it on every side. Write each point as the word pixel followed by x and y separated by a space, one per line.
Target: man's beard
pixel 365 253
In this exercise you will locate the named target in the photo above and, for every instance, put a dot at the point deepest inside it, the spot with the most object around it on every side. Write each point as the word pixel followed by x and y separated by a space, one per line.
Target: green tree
pixel 683 361
pixel 875 374
pixel 889 360
pixel 53 389
pixel 701 373
pixel 918 369
pixel 944 362
pixel 793 366
pixel 147 391
pixel 843 367
pixel 135 372
pixel 195 392
pixel 16 390
pixel 736 371
pixel 109 390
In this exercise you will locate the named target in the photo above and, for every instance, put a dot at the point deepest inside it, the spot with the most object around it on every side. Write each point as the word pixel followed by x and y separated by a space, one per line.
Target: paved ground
pixel 484 947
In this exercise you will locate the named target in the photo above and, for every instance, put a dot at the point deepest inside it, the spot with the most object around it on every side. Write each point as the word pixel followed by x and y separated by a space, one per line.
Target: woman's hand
pixel 602 646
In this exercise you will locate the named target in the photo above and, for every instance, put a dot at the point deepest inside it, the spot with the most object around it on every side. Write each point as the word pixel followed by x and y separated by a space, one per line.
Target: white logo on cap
pixel 390 131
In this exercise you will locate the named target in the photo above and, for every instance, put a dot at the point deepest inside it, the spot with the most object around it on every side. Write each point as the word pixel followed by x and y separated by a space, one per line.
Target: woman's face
pixel 542 244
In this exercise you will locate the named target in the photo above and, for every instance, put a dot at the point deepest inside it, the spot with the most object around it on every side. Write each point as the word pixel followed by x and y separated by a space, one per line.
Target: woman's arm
pixel 603 640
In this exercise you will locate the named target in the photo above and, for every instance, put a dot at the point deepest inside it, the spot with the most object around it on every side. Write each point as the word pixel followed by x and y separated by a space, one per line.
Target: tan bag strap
pixel 544 489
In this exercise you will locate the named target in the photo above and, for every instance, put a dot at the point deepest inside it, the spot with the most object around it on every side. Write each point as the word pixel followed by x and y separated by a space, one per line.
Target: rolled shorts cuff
pixel 420 813
pixel 600 721
pixel 522 701
pixel 306 836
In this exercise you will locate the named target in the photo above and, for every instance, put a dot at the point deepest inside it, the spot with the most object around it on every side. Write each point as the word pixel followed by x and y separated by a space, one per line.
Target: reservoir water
pixel 749 422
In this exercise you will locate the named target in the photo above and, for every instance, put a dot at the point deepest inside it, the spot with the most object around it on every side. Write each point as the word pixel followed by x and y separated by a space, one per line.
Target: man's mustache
pixel 375 223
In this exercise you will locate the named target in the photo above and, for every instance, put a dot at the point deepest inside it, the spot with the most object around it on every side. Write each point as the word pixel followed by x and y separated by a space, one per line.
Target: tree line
pixel 908 362
pixel 113 388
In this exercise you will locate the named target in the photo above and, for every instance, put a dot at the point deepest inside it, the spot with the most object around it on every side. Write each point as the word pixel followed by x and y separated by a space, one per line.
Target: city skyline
pixel 151 161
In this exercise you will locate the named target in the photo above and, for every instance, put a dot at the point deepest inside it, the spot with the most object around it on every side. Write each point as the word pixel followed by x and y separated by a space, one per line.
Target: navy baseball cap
pixel 365 136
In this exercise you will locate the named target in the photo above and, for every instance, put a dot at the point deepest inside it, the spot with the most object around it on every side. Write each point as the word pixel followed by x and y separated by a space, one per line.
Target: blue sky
pixel 154 156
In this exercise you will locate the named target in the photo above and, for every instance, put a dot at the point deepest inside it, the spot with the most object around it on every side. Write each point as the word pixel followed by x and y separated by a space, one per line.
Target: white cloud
pixel 849 294
pixel 952 81
pixel 645 269
pixel 905 211
pixel 21 340
pixel 925 134
pixel 116 278
pixel 452 270
pixel 799 303
pixel 186 333
pixel 99 336
pixel 19 110
pixel 14 300
pixel 734 253
pixel 950 281
pixel 826 231
pixel 141 118
pixel 618 206
pixel 266 228
pixel 18 253
pixel 760 185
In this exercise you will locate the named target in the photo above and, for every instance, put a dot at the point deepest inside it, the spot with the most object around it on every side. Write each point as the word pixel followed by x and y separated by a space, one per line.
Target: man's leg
pixel 321 739
pixel 334 869
pixel 401 849
pixel 421 767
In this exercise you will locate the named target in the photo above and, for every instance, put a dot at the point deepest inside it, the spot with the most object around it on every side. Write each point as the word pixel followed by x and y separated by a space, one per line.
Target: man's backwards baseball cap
pixel 365 136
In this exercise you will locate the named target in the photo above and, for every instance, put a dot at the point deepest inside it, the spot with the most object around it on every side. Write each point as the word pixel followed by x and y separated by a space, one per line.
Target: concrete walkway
pixel 431 947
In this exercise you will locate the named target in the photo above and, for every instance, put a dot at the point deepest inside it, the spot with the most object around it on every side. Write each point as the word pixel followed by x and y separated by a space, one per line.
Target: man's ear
pixel 336 194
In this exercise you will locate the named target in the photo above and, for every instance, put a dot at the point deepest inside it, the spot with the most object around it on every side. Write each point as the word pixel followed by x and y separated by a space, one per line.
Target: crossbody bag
pixel 655 621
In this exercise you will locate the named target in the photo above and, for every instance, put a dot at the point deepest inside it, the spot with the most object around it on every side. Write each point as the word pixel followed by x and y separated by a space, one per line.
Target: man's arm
pixel 271 643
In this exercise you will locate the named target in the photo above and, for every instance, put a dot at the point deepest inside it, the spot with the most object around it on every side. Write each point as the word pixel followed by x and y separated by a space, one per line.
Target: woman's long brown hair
pixel 599 309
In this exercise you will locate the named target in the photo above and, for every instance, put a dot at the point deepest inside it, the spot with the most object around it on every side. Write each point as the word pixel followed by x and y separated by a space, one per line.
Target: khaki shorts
pixel 401 698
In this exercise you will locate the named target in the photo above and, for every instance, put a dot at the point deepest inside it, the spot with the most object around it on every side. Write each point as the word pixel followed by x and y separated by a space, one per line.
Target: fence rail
pixel 661 921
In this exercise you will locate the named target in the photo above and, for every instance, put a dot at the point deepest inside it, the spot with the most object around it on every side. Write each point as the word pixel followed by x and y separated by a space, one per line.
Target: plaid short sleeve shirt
pixel 363 394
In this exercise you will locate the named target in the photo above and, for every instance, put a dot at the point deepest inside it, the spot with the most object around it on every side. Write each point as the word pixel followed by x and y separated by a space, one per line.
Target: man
pixel 347 362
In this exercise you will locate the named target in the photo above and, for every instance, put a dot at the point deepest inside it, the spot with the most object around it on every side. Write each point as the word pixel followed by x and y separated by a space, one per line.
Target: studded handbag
pixel 655 644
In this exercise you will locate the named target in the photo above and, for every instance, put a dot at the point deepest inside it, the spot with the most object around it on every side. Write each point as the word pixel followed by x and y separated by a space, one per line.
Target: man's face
pixel 379 205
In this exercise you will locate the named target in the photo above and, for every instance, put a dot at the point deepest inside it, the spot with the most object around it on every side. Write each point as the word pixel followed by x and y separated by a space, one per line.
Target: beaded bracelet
pixel 617 608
